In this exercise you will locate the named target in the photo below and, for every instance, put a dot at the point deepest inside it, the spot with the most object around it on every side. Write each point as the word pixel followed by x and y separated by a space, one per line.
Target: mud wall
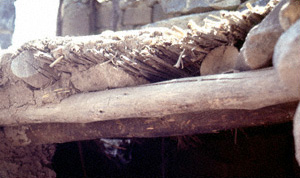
pixel 18 161
pixel 25 161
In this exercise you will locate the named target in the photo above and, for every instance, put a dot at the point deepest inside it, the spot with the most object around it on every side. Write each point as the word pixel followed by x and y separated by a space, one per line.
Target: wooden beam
pixel 247 90
pixel 171 125
pixel 286 58
pixel 296 133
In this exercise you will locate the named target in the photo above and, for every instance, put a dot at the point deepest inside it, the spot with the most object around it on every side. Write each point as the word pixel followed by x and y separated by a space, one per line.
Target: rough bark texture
pixel 223 91
pixel 171 125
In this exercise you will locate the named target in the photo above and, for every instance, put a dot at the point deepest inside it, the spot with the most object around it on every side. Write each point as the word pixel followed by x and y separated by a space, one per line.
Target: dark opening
pixel 265 151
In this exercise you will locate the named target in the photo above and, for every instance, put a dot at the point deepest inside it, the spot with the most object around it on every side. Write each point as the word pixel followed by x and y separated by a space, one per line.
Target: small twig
pixel 179 30
pixel 193 26
pixel 60 89
pixel 250 7
pixel 179 61
pixel 106 62
pixel 215 17
pixel 61 92
pixel 56 61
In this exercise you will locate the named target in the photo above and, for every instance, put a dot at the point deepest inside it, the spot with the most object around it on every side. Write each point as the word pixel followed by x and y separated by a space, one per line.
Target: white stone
pixel 188 6
pixel 258 48
pixel 105 15
pixel 140 15
pixel 182 21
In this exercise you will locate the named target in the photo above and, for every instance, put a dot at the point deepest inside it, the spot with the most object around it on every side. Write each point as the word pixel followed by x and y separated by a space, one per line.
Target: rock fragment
pixel 187 6
pixel 289 14
pixel 258 48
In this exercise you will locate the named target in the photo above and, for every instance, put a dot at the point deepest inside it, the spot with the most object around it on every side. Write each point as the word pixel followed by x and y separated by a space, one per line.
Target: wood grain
pixel 247 90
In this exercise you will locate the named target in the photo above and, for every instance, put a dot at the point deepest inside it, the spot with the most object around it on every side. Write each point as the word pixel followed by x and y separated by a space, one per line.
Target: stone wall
pixel 123 15
pixel 132 14
pixel 84 17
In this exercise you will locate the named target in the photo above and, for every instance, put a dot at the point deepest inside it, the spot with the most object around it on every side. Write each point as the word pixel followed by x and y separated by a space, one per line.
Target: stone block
pixel 127 27
pixel 124 4
pixel 75 19
pixel 187 6
pixel 137 16
pixel 182 21
pixel 253 3
pixel 150 2
pixel 105 15
pixel 158 13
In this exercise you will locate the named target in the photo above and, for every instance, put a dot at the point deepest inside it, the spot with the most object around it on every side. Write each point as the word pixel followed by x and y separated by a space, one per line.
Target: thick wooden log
pixel 247 90
pixel 30 71
pixel 297 133
pixel 171 125
pixel 219 60
pixel 258 48
pixel 286 58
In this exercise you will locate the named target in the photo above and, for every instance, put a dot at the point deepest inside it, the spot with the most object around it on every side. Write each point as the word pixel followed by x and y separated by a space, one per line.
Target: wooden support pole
pixel 286 58
pixel 171 125
pixel 247 90
pixel 297 133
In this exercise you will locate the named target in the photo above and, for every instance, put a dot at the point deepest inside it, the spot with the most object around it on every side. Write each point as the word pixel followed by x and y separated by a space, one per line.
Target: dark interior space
pixel 265 151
